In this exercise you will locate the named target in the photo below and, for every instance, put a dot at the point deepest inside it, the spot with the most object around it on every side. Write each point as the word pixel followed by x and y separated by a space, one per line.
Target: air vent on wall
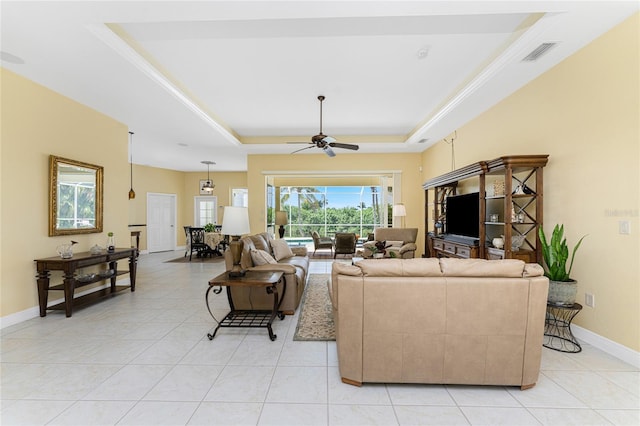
pixel 538 52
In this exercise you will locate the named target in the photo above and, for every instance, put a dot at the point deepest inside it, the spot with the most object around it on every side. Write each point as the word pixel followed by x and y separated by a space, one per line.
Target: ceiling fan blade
pixel 302 149
pixel 328 139
pixel 327 150
pixel 345 146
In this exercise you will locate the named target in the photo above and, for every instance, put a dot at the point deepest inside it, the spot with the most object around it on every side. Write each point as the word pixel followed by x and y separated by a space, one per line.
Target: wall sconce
pixel 281 219
pixel 132 193
pixel 399 211
pixel 207 186
pixel 235 223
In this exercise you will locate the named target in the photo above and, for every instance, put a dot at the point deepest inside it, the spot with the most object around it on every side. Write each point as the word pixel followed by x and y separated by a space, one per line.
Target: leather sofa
pixel 295 270
pixel 403 240
pixel 444 321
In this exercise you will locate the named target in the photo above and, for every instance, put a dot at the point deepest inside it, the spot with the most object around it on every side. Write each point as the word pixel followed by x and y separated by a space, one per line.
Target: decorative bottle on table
pixel 111 242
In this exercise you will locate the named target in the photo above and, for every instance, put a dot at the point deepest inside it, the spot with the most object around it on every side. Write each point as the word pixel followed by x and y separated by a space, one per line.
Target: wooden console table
pixel 71 281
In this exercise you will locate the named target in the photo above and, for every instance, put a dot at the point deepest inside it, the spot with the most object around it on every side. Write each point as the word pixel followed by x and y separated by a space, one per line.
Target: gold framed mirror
pixel 75 197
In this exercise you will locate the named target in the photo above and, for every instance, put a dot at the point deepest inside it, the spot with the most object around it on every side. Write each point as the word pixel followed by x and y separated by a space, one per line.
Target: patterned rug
pixel 315 322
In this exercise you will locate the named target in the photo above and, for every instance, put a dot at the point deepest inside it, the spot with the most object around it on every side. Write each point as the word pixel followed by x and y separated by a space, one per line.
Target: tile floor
pixel 143 358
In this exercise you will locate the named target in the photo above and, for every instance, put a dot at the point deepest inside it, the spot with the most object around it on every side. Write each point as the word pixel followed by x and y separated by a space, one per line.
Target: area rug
pixel 315 322
pixel 194 259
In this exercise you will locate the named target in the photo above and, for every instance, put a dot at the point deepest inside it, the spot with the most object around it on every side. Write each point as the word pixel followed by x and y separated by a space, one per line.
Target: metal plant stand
pixel 557 328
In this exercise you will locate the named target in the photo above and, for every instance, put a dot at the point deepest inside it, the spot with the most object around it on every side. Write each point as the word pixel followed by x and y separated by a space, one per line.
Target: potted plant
pixel 555 253
pixel 379 249
pixel 209 227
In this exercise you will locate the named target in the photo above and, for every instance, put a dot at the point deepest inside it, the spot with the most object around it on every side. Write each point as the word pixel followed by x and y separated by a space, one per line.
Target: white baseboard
pixel 617 350
pixel 34 312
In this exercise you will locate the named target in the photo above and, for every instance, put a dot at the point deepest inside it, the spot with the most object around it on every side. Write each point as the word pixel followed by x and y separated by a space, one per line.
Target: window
pixel 331 209
pixel 206 210
pixel 240 197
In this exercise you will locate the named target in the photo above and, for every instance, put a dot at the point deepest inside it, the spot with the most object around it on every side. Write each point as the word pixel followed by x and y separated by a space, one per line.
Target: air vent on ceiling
pixel 423 140
pixel 538 52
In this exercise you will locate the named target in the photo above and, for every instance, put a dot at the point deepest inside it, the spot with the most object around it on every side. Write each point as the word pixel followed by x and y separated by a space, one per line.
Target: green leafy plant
pixel 209 227
pixel 556 253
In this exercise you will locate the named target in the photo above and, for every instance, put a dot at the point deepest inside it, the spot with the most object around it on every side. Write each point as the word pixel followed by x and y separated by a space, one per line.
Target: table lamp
pixel 400 211
pixel 235 223
pixel 281 219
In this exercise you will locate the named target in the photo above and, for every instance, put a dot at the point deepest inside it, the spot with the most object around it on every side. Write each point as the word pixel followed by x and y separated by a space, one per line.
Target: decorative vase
pixel 562 293
pixel 65 251
pixel 498 242
pixel 111 243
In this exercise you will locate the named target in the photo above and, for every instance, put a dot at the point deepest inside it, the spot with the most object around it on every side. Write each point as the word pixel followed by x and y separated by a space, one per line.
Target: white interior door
pixel 161 222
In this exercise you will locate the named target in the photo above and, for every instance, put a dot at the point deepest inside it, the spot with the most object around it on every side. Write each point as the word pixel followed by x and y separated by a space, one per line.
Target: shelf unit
pixel 522 177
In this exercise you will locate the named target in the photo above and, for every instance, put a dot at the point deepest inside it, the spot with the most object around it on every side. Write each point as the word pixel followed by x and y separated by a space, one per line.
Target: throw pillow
pixel 281 249
pixel 261 257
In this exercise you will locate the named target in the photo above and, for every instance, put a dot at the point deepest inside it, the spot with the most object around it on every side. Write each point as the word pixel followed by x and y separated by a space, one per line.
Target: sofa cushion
pixel 261 257
pixel 408 235
pixel 509 268
pixel 260 242
pixel 281 249
pixel 418 267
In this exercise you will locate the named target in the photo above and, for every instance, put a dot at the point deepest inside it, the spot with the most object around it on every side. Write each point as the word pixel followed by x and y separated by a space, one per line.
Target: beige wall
pixel 585 114
pixel 37 122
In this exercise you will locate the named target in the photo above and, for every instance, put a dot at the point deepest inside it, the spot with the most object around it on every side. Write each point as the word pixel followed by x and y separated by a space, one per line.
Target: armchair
pixel 321 242
pixel 345 243
pixel 403 242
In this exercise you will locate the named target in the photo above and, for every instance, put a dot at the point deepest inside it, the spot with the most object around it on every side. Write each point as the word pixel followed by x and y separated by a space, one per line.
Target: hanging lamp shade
pixel 208 185
pixel 132 193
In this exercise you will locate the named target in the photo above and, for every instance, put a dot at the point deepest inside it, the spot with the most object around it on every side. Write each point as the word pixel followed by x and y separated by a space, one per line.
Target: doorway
pixel 161 222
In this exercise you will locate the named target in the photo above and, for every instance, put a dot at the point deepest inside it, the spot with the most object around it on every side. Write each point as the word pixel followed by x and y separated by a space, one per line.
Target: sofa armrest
pixel 274 267
pixel 408 247
pixel 299 251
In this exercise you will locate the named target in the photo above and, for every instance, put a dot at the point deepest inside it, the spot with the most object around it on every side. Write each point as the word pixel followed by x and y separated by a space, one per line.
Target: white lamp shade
pixel 281 218
pixel 235 221
pixel 399 210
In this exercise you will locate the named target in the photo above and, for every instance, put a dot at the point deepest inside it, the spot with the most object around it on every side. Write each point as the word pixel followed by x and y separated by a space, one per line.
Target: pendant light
pixel 208 185
pixel 132 193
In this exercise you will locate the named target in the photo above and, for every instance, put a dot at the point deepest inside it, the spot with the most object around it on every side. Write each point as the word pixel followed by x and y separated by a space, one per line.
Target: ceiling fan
pixel 325 142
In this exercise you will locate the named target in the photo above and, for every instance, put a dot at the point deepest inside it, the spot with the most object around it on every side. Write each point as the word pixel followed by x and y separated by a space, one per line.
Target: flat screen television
pixel 462 215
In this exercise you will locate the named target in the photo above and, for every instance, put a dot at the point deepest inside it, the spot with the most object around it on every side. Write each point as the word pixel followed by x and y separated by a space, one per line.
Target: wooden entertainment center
pixel 510 193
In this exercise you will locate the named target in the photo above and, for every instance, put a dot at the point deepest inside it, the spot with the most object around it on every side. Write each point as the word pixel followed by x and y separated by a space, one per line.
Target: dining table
pixel 214 240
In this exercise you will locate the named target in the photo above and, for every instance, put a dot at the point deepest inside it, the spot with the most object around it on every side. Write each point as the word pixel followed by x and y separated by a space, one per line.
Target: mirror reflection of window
pixel 75 201
pixel 76 197
pixel 240 197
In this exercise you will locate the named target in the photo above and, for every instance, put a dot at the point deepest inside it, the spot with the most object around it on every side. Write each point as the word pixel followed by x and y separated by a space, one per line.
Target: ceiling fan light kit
pixel 325 142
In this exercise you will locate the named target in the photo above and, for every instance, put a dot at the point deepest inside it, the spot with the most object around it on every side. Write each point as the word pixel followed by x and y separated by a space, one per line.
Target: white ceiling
pixel 218 80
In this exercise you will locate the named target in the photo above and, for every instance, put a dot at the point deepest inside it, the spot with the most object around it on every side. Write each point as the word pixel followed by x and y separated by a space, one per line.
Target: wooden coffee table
pixel 248 318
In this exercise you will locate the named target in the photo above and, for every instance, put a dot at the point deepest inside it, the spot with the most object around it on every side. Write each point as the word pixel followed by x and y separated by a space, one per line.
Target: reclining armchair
pixel 400 242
